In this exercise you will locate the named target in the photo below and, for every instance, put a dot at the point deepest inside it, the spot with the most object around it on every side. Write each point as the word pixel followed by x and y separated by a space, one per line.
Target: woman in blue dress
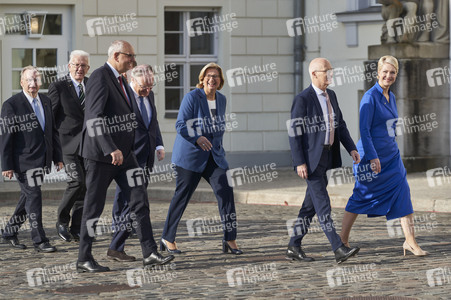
pixel 381 187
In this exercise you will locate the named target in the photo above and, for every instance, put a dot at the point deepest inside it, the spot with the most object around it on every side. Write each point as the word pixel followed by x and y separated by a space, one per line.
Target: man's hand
pixel 355 156
pixel 302 171
pixel 8 174
pixel 160 154
pixel 59 166
pixel 204 143
pixel 375 165
pixel 118 159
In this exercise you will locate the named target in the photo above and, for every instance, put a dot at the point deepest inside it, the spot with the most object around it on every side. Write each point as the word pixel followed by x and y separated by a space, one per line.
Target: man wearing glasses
pixel 68 105
pixel 316 129
pixel 147 140
pixel 107 146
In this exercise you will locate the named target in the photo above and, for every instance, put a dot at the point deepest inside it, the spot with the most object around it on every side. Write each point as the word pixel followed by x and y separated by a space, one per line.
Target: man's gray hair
pixel 116 46
pixel 80 53
pixel 142 70
pixel 32 68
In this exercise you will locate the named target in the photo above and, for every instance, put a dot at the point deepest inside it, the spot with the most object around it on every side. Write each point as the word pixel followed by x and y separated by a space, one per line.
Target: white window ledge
pixel 351 20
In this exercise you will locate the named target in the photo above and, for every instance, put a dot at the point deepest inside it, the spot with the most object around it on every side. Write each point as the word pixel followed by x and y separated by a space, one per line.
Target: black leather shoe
pixel 226 247
pixel 296 253
pixel 75 236
pixel 156 259
pixel 63 232
pixel 164 246
pixel 119 255
pixel 343 253
pixel 90 266
pixel 13 241
pixel 45 247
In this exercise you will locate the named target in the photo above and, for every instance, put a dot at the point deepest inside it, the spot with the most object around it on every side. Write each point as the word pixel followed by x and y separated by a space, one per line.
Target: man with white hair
pixel 28 145
pixel 68 105
pixel 147 140
pixel 107 147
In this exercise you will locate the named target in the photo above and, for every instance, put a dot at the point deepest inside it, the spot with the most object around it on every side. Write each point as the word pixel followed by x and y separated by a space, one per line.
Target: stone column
pixel 422 92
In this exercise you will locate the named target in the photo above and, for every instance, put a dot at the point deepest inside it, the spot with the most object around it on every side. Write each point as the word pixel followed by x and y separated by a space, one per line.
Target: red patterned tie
pixel 123 90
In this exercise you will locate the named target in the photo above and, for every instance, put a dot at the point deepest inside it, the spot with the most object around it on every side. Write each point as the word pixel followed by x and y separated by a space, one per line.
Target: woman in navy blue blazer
pixel 381 187
pixel 197 153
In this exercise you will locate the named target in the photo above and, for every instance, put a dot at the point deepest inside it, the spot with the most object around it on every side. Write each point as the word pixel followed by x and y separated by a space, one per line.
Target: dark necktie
pixel 123 89
pixel 144 114
pixel 81 96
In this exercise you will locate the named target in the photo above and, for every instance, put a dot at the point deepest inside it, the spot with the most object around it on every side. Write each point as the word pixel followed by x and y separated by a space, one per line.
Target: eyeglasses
pixel 328 71
pixel 128 54
pixel 147 87
pixel 209 76
pixel 80 66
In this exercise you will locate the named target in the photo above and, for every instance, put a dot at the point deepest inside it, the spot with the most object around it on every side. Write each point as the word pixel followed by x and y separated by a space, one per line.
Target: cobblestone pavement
pixel 203 271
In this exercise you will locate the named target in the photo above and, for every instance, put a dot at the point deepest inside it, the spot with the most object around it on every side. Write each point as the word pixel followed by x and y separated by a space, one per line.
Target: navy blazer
pixel 193 121
pixel 23 143
pixel 147 139
pixel 68 113
pixel 110 121
pixel 308 142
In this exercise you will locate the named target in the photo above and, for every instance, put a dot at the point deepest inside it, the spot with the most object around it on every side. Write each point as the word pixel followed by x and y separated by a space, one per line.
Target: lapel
pixel 383 100
pixel 117 85
pixel 73 93
pixel 47 110
pixel 25 103
pixel 204 104
pixel 152 105
pixel 316 101
pixel 135 107
pixel 388 106
pixel 220 106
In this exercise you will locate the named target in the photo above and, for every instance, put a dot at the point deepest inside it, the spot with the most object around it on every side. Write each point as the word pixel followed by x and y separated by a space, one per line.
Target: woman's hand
pixel 204 143
pixel 375 165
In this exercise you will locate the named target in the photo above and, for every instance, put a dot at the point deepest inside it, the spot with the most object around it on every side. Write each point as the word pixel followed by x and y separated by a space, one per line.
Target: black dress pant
pixel 98 177
pixel 74 194
pixel 29 206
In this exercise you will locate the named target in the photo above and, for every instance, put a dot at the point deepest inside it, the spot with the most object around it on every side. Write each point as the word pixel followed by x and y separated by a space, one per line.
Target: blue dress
pixel 386 193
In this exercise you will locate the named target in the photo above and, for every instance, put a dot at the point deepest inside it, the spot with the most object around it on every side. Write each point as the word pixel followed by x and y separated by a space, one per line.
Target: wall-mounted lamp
pixel 35 21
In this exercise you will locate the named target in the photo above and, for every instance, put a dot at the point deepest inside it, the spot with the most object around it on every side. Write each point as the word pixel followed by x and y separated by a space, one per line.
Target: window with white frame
pixel 188 46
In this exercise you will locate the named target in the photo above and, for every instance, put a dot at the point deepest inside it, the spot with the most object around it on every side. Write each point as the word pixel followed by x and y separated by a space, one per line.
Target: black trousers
pixel 74 194
pixel 186 184
pixel 317 202
pixel 98 177
pixel 29 206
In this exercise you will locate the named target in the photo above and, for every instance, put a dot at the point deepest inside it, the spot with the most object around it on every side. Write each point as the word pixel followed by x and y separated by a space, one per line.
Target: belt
pixel 327 147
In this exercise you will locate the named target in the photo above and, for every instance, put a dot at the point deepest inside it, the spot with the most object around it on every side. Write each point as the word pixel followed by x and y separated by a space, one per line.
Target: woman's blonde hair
pixel 204 70
pixel 389 60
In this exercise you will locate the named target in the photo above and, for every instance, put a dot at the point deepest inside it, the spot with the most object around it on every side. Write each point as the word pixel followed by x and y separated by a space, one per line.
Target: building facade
pixel 264 47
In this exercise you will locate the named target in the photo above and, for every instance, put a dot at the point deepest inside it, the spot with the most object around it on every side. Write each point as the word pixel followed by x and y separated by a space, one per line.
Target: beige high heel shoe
pixel 416 252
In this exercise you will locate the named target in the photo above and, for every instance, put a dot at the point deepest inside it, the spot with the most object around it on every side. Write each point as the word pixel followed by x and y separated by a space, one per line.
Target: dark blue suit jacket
pixel 308 142
pixel 147 139
pixel 24 145
pixel 110 121
pixel 68 113
pixel 193 121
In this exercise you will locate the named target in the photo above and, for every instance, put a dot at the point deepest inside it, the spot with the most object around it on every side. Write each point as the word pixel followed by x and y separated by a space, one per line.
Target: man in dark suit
pixel 107 146
pixel 68 104
pixel 29 144
pixel 316 130
pixel 147 140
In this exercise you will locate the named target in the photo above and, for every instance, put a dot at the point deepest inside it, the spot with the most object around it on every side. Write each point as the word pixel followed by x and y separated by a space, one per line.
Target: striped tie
pixel 81 95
